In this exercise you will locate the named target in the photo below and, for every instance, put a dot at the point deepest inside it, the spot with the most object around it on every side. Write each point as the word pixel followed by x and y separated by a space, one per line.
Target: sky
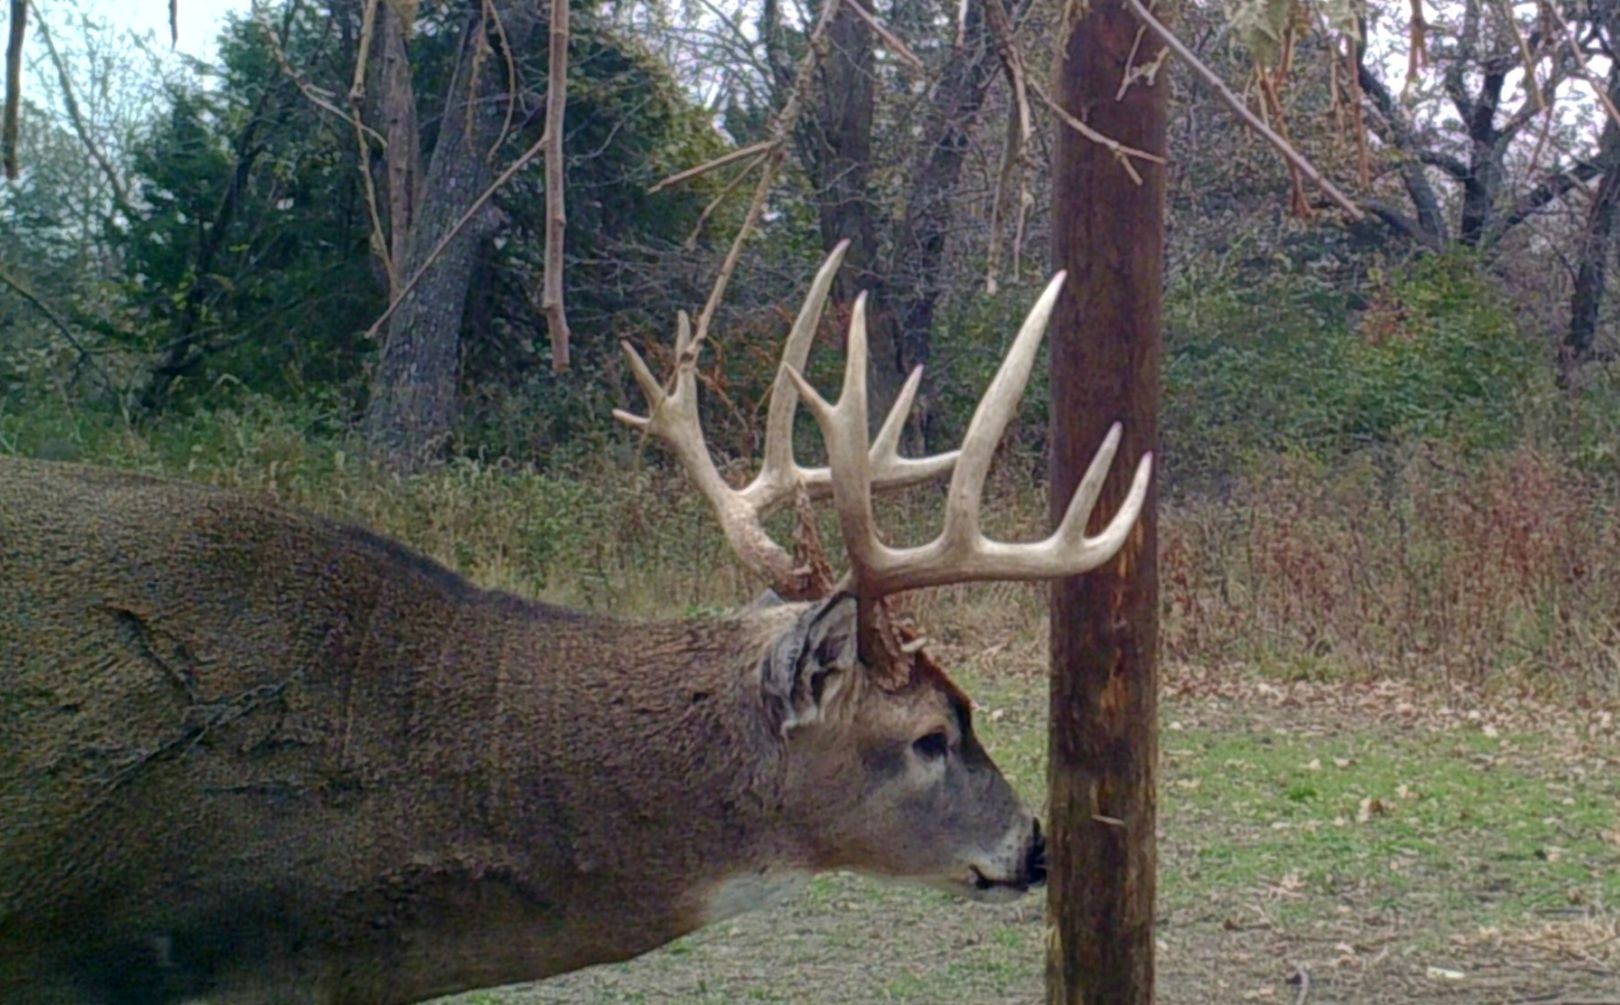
pixel 200 20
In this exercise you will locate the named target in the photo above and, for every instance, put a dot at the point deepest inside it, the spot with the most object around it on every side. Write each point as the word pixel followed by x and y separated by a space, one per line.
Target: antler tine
pixel 990 420
pixel 1070 537
pixel 961 552
pixel 843 430
pixel 780 475
pixel 673 417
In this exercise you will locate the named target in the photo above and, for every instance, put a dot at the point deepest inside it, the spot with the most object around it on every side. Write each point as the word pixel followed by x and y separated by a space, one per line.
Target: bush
pixel 1292 366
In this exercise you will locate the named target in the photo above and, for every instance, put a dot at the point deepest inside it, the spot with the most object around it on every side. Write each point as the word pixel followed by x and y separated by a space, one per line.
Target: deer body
pixel 252 756
pixel 256 754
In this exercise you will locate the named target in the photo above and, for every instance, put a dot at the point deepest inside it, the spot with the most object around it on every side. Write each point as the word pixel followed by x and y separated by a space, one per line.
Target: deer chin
pixel 978 886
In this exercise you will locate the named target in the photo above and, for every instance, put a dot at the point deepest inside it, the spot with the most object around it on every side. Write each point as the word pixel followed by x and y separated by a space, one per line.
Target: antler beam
pixel 962 552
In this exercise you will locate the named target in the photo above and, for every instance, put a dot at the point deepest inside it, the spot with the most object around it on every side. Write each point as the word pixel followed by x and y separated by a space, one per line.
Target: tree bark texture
pixel 1109 234
pixel 1597 236
pixel 412 410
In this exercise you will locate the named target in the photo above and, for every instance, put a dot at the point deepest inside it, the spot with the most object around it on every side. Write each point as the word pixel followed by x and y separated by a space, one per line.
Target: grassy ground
pixel 1331 843
pixel 1328 835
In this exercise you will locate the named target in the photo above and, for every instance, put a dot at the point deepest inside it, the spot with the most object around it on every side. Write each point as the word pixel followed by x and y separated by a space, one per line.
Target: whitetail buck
pixel 250 755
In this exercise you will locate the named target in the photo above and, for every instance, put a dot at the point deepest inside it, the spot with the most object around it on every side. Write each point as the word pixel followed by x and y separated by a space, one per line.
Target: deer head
pixel 884 773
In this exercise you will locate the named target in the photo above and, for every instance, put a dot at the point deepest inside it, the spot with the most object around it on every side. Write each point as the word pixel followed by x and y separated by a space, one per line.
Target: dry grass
pixel 1508 570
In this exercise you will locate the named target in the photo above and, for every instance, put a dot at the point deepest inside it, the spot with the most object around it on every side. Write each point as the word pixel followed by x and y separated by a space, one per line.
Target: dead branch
pixel 1215 83
pixel 886 36
pixel 730 186
pixel 56 320
pixel 771 163
pixel 1583 70
pixel 362 132
pixel 70 101
pixel 466 217
pixel 13 110
pixel 1020 129
pixel 752 150
pixel 357 94
pixel 493 15
pixel 314 94
pixel 551 300
pixel 1121 152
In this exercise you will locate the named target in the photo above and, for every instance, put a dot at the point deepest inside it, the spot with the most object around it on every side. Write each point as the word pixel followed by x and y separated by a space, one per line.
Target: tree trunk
pixel 1109 234
pixel 840 159
pixel 1596 241
pixel 391 97
pixel 917 274
pixel 412 410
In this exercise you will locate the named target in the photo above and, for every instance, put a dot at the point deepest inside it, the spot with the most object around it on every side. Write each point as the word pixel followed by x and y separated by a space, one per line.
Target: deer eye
pixel 932 746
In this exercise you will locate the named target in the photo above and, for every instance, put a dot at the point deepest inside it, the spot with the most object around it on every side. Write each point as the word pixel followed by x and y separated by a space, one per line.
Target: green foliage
pixel 248 266
pixel 1287 364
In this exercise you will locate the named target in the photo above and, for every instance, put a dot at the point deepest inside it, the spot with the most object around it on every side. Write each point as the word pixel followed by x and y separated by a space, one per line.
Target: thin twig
pixel 781 130
pixel 494 16
pixel 752 150
pixel 357 94
pixel 1020 130
pixel 1215 83
pixel 1584 71
pixel 708 211
pixel 308 90
pixel 438 248
pixel 551 299
pixel 1530 81
pixel 888 37
pixel 70 102
pixel 1121 152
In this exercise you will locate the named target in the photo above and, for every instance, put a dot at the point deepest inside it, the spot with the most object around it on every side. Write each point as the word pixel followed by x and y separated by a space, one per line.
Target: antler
pixel 673 417
pixel 962 552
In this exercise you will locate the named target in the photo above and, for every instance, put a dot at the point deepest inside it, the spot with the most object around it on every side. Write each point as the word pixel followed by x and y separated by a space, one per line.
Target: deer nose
pixel 1035 858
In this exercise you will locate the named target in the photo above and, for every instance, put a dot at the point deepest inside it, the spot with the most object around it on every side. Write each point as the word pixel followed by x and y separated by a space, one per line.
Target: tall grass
pixel 1476 569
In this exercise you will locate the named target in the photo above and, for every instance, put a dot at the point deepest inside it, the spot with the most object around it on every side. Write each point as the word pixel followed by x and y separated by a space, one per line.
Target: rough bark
pixel 1109 234
pixel 391 97
pixel 1597 238
pixel 412 410
pixel 917 274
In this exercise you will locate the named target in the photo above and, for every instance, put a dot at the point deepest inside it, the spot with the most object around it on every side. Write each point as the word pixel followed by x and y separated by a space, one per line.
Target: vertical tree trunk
pixel 1109 234
pixel 840 160
pixel 412 409
pixel 1597 236
pixel 391 94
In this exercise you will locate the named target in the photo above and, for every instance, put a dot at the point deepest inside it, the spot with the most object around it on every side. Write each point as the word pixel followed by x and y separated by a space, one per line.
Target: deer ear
pixel 811 662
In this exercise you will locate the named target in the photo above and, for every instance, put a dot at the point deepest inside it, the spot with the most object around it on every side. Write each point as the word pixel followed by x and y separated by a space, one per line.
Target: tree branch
pixel 1212 80
pixel 120 194
pixel 551 298
pixel 33 299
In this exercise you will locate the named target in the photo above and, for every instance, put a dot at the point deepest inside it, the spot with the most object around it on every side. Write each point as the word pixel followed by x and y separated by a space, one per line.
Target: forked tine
pixel 961 552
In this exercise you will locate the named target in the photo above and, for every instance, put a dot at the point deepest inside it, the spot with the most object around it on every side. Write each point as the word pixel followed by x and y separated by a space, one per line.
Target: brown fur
pixel 255 753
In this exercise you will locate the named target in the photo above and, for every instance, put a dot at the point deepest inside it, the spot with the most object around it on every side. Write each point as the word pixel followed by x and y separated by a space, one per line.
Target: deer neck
pixel 613 780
